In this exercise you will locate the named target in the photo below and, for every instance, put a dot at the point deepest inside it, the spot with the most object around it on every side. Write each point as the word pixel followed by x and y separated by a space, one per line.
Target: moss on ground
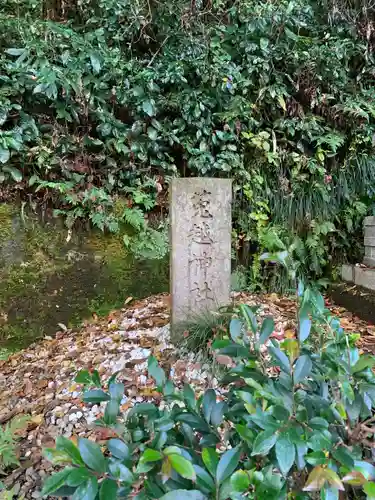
pixel 53 280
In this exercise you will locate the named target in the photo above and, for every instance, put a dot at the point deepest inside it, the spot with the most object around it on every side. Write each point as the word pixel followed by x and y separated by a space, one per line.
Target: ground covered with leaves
pixel 40 380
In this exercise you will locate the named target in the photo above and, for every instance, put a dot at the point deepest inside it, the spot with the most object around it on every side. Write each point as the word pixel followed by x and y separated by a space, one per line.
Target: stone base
pixel 359 275
pixel 369 261
pixel 347 272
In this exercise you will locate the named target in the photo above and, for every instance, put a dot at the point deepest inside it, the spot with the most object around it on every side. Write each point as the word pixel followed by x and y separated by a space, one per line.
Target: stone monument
pixel 200 212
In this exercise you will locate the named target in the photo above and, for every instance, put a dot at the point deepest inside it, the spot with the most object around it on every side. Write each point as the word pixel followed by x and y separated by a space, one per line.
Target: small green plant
pixel 197 333
pixel 8 441
pixel 297 421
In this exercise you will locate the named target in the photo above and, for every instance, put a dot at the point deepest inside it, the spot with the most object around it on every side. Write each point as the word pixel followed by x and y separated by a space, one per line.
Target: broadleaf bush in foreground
pixel 296 421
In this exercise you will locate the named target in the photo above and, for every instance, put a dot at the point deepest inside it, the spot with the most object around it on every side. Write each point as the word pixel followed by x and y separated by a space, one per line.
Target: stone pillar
pixel 200 212
pixel 369 240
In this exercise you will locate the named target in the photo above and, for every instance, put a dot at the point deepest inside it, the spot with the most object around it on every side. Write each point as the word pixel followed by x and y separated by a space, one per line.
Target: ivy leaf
pixel 227 464
pixel 95 63
pixel 302 368
pixel 264 442
pixel 108 490
pixel 266 330
pixel 4 155
pixel 56 481
pixel 148 108
pixel 181 465
pixel 156 372
pixel 92 455
pixel 285 454
pixel 15 52
pixel 152 133
pixel 14 172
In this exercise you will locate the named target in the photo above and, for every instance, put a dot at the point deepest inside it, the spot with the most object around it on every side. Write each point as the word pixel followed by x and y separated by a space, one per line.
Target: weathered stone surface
pixel 364 277
pixel 369 221
pixel 347 272
pixel 201 245
pixel 369 261
pixel 369 241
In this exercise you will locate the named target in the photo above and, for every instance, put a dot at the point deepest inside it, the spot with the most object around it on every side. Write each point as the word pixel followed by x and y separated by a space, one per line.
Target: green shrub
pixel 103 101
pixel 296 421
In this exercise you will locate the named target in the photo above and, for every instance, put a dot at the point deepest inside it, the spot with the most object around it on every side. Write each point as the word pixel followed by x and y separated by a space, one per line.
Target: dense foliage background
pixel 102 101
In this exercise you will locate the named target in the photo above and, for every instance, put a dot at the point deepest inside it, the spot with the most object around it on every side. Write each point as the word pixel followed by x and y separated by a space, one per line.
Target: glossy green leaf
pixel 108 490
pixel 227 464
pixel 83 377
pixel 184 494
pixel 369 489
pixel 92 455
pixel 204 479
pixel 54 482
pixel 120 472
pixel 189 396
pixel 235 329
pixel 304 328
pixel 66 445
pixel 266 330
pixel 150 455
pixel 78 476
pixel 302 368
pixel 15 52
pixel 95 396
pixel 111 411
pixel 156 372
pixel 280 357
pixel 240 481
pixel 285 454
pixel 15 173
pixel 152 133
pixel 209 401
pixel 217 413
pixel 87 490
pixel 210 459
pixel 119 449
pixel 264 442
pixel 364 362
pixel 148 108
pixel 116 390
pixel 182 466
pixel 4 155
